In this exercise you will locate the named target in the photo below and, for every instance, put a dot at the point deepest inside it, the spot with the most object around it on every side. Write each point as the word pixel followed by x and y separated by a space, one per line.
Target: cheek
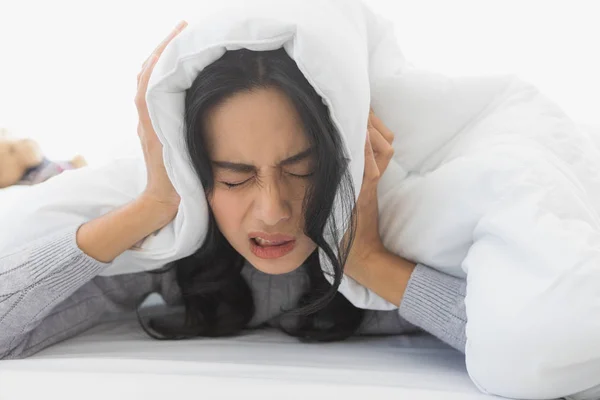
pixel 229 211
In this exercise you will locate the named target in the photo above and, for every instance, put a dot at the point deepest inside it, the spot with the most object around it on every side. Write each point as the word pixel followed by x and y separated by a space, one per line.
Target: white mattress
pixel 118 361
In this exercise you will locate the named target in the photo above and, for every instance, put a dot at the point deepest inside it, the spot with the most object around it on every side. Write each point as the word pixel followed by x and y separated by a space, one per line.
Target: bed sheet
pixel 117 360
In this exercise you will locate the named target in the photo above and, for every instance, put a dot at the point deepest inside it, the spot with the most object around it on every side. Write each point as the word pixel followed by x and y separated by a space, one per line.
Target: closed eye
pixel 232 185
pixel 301 176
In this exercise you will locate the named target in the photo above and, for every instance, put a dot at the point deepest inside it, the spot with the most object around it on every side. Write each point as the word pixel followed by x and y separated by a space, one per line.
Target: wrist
pixel 108 236
pixel 386 274
pixel 160 211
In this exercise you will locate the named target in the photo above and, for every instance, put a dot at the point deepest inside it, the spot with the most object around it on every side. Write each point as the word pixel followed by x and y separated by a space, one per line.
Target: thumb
pixel 371 172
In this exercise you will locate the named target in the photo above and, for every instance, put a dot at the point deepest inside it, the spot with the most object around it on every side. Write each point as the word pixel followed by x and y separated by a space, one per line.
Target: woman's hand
pixel 369 262
pixel 108 236
pixel 378 153
pixel 159 190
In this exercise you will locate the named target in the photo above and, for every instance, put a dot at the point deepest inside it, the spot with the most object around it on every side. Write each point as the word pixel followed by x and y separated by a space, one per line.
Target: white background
pixel 68 68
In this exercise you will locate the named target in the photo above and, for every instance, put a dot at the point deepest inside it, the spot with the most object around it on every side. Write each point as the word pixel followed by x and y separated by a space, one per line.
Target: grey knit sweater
pixel 50 291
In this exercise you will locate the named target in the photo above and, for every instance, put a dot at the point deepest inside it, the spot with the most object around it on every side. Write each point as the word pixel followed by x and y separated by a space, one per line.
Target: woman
pixel 267 154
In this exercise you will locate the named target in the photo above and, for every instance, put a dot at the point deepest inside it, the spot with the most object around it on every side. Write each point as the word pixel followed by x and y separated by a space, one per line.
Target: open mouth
pixel 270 250
pixel 266 243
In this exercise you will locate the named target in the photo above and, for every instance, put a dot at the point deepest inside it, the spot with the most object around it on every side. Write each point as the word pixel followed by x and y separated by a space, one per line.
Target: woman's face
pixel 256 141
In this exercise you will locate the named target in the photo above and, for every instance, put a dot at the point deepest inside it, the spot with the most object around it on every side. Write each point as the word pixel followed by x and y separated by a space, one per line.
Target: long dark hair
pixel 217 299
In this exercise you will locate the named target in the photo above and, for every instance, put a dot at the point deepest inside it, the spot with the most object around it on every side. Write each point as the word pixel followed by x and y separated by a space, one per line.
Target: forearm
pixel 427 298
pixel 35 279
pixel 107 237
pixel 435 302
pixel 384 273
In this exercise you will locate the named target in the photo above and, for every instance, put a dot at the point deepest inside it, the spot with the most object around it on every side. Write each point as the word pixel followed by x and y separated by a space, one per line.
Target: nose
pixel 271 206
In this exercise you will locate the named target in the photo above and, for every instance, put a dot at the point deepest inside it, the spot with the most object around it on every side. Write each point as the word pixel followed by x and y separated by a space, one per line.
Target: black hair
pixel 217 299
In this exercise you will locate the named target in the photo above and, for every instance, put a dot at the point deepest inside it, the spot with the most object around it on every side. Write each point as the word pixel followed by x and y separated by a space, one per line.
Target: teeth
pixel 264 242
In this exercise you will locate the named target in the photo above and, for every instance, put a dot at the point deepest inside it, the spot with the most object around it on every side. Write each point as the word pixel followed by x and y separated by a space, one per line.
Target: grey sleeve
pixel 435 302
pixel 34 280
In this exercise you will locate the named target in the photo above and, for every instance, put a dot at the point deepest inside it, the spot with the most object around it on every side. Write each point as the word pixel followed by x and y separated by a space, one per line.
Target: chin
pixel 275 267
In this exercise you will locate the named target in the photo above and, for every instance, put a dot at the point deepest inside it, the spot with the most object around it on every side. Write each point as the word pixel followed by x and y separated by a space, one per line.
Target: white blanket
pixel 490 181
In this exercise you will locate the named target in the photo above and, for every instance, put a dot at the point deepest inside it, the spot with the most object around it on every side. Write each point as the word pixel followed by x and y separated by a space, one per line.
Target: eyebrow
pixel 238 167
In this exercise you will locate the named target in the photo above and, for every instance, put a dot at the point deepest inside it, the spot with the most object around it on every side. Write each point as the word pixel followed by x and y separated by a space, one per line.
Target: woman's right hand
pixel 159 191
pixel 106 237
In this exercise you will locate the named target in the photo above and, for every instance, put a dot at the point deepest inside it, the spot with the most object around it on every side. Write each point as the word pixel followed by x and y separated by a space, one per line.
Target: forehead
pixel 258 127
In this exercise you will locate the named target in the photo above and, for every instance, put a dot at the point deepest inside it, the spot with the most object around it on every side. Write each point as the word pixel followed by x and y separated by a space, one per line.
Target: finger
pixel 161 47
pixel 148 65
pixel 381 144
pixel 381 148
pixel 380 126
pixel 143 80
pixel 371 170
pixel 146 73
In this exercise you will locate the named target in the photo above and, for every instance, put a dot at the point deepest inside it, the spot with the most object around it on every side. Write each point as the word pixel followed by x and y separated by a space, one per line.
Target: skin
pixel 260 129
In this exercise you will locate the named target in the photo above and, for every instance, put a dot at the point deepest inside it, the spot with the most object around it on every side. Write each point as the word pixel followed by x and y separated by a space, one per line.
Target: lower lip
pixel 270 252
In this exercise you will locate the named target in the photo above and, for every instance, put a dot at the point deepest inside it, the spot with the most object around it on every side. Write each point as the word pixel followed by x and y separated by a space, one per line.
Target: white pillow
pixel 343 33
pixel 364 66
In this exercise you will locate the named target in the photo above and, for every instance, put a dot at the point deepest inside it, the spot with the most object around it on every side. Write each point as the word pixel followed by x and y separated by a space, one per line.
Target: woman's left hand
pixel 378 153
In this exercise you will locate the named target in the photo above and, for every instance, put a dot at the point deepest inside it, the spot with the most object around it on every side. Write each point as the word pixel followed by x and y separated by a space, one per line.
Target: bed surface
pixel 117 360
